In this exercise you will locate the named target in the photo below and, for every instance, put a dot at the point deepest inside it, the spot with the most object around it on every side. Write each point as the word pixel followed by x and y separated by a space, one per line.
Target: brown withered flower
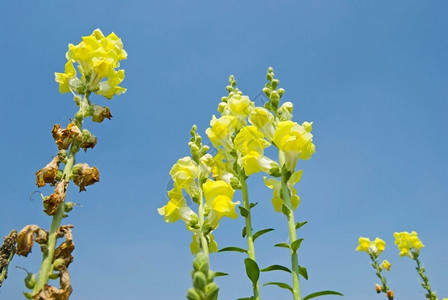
pixel 49 292
pixel 64 137
pixel 52 202
pixel 27 236
pixel 88 140
pixel 99 113
pixel 84 175
pixel 64 251
pixel 48 173
pixel 7 250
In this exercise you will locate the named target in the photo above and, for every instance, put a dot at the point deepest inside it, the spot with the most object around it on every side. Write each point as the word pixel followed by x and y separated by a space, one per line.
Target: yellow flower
pixel 408 243
pixel 294 142
pixel 264 121
pixel 240 106
pixel 64 78
pixel 176 208
pixel 250 139
pixel 218 196
pixel 385 265
pixel 285 111
pixel 277 200
pixel 372 247
pixel 184 174
pixel 221 131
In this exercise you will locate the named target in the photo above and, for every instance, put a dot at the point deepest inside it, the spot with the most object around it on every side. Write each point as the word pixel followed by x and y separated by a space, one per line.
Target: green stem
pixel 48 253
pixel 292 237
pixel 248 219
pixel 204 243
pixel 425 284
pixel 377 268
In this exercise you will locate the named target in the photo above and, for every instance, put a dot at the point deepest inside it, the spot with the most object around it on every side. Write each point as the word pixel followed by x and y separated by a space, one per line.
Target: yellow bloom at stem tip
pixel 408 243
pixel 371 247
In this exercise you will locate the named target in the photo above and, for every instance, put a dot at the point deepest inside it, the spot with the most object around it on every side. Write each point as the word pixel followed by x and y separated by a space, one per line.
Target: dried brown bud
pixel 99 113
pixel 64 137
pixel 64 251
pixel 52 202
pixel 88 140
pixel 6 252
pixel 84 175
pixel 25 239
pixel 378 288
pixel 390 295
pixel 48 173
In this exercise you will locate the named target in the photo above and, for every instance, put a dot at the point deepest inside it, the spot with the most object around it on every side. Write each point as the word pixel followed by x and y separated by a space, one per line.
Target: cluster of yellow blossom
pixel 371 247
pixel 408 243
pixel 97 57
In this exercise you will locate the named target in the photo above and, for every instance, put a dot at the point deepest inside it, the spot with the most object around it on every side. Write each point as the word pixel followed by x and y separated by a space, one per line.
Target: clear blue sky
pixel 371 75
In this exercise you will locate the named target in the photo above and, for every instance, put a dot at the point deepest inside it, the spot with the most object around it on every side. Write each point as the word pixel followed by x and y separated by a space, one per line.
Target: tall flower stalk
pixel 97 57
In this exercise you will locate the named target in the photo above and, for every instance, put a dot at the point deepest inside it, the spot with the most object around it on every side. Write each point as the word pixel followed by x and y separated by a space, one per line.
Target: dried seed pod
pixel 52 202
pixel 48 173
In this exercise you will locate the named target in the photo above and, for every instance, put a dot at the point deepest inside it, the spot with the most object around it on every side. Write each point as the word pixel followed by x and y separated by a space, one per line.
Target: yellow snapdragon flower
pixel 249 139
pixel 294 142
pixel 176 208
pixel 240 106
pixel 408 243
pixel 277 199
pixel 184 174
pixel 371 247
pixel 385 265
pixel 262 119
pixel 221 131
pixel 97 57
pixel 195 244
pixel 218 196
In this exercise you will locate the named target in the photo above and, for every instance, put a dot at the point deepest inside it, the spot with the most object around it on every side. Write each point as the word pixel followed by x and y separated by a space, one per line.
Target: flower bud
pixel 390 295
pixel 30 280
pixel 378 288
pixel 193 295
pixel 211 291
pixel 84 175
pixel 267 91
pixel 68 206
pixel 199 281
pixel 200 263
pixel 88 140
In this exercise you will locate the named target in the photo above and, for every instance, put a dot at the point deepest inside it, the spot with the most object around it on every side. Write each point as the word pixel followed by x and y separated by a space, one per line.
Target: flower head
pixel 218 196
pixel 371 247
pixel 408 243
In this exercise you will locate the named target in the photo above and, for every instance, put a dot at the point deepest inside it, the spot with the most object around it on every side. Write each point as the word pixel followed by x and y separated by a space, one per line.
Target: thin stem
pixel 48 254
pixel 377 268
pixel 248 219
pixel 425 284
pixel 204 243
pixel 292 236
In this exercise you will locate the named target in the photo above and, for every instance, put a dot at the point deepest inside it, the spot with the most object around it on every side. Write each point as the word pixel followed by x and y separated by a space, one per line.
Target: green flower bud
pixel 30 280
pixel 281 92
pixel 53 276
pixel 58 263
pixel 200 262
pixel 77 100
pixel 28 295
pixel 275 170
pixel 267 91
pixel 275 97
pixel 275 83
pixel 59 174
pixel 211 291
pixel 193 295
pixel 62 154
pixel 199 281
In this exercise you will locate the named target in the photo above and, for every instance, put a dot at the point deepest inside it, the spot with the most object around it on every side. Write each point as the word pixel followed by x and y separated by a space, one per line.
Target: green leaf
pixel 244 232
pixel 219 274
pixel 261 232
pixel 303 272
pixel 234 249
pixel 244 212
pixel 300 224
pixel 296 245
pixel 253 204
pixel 280 284
pixel 276 268
pixel 283 245
pixel 323 293
pixel 252 270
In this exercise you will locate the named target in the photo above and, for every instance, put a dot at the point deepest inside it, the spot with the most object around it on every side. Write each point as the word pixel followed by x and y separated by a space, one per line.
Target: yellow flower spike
pixel 64 78
pixel 372 247
pixel 264 121
pixel 408 243
pixel 218 196
pixel 294 142
pixel 221 131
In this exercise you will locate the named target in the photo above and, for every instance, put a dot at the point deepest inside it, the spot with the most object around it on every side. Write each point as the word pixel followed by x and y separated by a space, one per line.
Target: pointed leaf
pixel 261 232
pixel 219 274
pixel 243 212
pixel 283 245
pixel 300 224
pixel 322 293
pixel 253 204
pixel 280 284
pixel 234 249
pixel 296 245
pixel 303 272
pixel 252 270
pixel 276 268
pixel 244 232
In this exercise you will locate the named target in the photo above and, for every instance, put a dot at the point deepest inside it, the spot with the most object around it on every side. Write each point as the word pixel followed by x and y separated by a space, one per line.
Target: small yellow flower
pixel 408 243
pixel 385 265
pixel 195 244
pixel 176 208
pixel 240 106
pixel 250 139
pixel 64 78
pixel 277 199
pixel 218 196
pixel 184 174
pixel 294 142
pixel 264 121
pixel 221 131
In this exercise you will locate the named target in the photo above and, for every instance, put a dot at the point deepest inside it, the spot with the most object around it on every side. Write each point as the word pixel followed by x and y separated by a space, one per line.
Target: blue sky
pixel 371 75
